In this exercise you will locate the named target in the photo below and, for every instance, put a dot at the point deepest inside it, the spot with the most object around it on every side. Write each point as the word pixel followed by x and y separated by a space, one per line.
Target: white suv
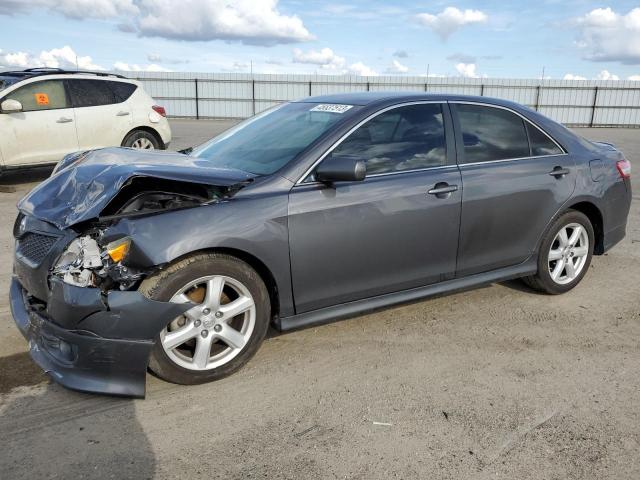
pixel 47 113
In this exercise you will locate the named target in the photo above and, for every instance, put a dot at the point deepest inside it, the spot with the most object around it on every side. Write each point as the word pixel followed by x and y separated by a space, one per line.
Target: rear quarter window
pixel 541 144
pixel 122 90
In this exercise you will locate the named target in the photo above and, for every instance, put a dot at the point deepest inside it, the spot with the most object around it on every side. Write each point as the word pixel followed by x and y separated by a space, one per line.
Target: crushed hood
pixel 81 191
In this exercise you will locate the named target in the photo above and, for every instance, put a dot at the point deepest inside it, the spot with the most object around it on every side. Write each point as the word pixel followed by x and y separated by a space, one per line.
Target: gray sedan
pixel 309 212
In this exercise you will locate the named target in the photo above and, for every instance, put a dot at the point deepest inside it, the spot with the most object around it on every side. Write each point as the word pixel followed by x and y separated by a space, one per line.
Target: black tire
pixel 542 280
pixel 141 136
pixel 163 285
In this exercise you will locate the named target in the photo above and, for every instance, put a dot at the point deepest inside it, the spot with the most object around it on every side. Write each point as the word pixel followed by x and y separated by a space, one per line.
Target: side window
pixel 90 93
pixel 45 95
pixel 404 138
pixel 121 90
pixel 541 144
pixel 491 134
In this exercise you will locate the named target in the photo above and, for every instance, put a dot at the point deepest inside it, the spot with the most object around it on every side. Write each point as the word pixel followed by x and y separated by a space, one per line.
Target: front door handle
pixel 443 190
pixel 64 120
pixel 122 114
pixel 559 172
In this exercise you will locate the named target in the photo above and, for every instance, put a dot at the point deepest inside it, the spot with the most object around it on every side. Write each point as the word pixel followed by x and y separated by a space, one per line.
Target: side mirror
pixel 341 169
pixel 10 106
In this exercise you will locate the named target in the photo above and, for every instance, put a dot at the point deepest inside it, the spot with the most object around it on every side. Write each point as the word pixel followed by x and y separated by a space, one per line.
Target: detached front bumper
pixel 92 342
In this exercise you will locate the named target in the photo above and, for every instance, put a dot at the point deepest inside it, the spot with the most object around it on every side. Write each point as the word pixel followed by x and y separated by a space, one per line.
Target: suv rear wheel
pixel 141 140
pixel 222 331
pixel 565 254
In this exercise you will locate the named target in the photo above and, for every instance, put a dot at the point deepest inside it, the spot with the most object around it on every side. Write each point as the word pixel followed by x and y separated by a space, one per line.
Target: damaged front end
pixel 85 263
pixel 74 294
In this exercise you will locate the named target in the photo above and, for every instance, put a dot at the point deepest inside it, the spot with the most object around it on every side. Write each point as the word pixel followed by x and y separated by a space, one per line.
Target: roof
pixel 369 98
pixel 37 72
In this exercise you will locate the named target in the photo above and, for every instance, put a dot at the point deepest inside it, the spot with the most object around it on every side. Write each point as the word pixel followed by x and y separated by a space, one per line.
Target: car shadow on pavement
pixel 9 178
pixel 18 370
pixel 519 286
pixel 51 432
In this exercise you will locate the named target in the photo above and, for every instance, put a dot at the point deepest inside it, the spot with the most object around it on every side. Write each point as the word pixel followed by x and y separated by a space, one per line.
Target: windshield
pixel 263 144
pixel 6 81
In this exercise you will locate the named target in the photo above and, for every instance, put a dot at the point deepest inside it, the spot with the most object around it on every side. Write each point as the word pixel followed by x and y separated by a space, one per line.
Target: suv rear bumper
pixel 82 357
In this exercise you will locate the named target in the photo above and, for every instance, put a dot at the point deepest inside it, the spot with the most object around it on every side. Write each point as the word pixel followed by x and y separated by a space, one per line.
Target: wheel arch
pixel 594 215
pixel 147 129
pixel 254 262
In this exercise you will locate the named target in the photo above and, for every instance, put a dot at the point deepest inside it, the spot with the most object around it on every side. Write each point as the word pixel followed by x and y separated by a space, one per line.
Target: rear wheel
pixel 565 254
pixel 222 331
pixel 141 140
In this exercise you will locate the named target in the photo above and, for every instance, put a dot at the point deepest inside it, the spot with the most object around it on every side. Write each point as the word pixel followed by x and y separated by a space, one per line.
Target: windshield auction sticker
pixel 331 107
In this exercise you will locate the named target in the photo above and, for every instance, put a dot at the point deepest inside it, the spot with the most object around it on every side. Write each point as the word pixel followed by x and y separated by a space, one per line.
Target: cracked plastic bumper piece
pixel 92 342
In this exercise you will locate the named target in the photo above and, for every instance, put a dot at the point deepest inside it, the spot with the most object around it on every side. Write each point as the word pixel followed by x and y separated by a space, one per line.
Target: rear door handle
pixel 559 172
pixel 442 190
pixel 64 120
pixel 122 114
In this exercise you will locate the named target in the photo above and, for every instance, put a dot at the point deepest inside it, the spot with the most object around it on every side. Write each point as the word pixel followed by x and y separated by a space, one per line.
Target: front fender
pixel 254 225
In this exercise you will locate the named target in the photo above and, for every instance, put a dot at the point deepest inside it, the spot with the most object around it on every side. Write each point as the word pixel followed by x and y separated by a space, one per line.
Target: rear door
pixel 44 131
pixel 103 118
pixel 515 179
pixel 391 232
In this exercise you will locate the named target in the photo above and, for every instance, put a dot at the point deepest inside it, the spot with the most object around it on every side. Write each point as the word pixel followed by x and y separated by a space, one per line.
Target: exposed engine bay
pixel 88 261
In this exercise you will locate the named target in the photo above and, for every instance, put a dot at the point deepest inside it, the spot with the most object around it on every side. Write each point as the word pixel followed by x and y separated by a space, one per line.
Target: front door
pixel 395 230
pixel 44 131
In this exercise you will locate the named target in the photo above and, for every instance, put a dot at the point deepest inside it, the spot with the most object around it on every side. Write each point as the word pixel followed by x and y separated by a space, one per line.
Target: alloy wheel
pixel 568 253
pixel 142 144
pixel 216 329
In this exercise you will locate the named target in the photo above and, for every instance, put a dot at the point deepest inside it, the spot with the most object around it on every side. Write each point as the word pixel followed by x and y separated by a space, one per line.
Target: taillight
pixel 159 110
pixel 624 168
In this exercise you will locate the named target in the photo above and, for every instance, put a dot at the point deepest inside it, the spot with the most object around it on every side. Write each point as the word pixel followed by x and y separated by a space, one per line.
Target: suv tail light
pixel 159 110
pixel 624 168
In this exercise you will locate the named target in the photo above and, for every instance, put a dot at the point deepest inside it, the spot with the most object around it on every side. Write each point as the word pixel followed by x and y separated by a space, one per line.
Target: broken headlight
pixel 85 263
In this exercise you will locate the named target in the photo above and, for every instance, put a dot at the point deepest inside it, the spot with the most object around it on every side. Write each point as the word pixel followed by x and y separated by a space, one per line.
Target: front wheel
pixel 565 254
pixel 222 331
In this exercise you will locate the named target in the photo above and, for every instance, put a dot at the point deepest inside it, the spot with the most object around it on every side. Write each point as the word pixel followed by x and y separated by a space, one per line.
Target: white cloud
pixel 397 67
pixel 134 67
pixel 360 68
pixel 571 76
pixel 605 75
pixel 77 9
pixel 254 22
pixel 467 70
pixel 608 36
pixel 325 58
pixel 634 77
pixel 64 57
pixel 450 19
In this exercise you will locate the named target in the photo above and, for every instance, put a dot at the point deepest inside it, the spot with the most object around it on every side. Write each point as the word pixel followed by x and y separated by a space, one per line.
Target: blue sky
pixel 568 38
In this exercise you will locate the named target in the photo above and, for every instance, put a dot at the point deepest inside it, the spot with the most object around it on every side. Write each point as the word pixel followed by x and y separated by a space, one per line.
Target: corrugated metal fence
pixel 218 95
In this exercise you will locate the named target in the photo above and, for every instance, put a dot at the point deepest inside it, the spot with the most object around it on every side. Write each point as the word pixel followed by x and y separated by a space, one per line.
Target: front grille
pixel 35 246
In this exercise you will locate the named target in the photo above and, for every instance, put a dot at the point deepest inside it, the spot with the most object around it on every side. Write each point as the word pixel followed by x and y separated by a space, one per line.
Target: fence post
pixel 195 81
pixel 482 89
pixel 253 95
pixel 595 104
pixel 537 98
pixel 367 86
pixel 309 87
